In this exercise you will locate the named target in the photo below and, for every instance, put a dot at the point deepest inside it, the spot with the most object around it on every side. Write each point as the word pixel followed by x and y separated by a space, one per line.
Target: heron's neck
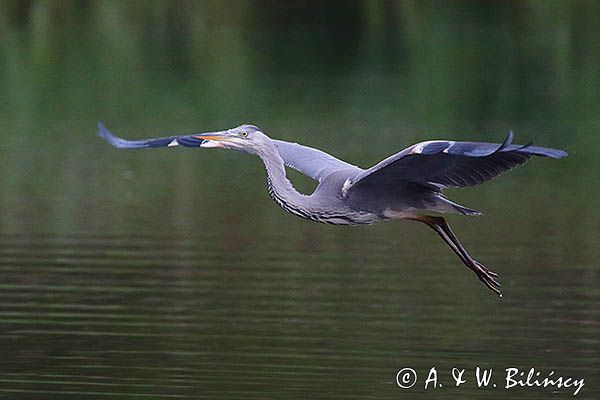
pixel 280 188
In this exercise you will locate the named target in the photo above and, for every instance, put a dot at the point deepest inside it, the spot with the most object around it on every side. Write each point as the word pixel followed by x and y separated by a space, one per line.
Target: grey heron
pixel 406 185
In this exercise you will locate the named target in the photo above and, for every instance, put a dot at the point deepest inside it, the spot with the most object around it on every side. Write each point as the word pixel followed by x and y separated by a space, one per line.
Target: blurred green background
pixel 164 272
pixel 361 79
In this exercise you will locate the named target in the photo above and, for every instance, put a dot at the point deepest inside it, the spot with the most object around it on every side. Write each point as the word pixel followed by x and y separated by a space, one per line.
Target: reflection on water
pixel 171 274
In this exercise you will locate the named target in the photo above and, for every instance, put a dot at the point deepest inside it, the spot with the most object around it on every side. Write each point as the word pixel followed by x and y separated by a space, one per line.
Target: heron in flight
pixel 406 185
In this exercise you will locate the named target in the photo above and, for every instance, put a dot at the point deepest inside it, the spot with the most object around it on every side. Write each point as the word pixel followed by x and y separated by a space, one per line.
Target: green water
pixel 170 273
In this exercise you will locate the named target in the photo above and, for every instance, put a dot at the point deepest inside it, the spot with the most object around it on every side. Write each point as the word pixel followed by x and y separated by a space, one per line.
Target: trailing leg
pixel 441 227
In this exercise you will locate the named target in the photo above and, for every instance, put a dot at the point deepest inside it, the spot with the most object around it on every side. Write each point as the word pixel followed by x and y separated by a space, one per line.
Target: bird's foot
pixel 487 276
pixel 441 227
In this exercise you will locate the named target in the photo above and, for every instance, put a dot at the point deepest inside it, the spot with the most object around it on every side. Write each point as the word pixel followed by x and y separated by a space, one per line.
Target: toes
pixel 487 277
pixel 491 284
pixel 492 273
pixel 486 269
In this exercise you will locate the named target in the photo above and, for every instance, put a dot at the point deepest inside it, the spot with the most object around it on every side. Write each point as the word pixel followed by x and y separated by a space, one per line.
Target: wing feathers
pixel 311 162
pixel 436 164
pixel 443 163
pixel 185 140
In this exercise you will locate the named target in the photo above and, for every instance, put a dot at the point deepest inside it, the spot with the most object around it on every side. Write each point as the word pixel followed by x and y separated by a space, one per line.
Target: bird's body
pixel 406 185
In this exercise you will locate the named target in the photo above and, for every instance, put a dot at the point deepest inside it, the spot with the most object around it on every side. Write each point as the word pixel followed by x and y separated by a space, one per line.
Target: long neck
pixel 280 188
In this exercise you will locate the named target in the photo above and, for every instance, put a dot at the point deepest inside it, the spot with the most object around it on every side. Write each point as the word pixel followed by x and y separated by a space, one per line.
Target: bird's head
pixel 248 138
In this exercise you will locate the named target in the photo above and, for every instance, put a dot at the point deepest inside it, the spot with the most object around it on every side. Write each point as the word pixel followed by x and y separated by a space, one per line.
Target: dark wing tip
pixel 553 153
pixel 531 149
pixel 107 135
pixel 509 137
pixel 507 142
pixel 560 154
pixel 102 131
pixel 116 141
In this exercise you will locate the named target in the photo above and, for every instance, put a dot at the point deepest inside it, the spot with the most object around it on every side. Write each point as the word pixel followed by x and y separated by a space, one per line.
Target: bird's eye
pixel 244 133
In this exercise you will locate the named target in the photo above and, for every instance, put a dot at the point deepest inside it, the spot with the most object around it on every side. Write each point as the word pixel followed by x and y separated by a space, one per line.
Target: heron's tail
pixel 448 206
pixel 466 210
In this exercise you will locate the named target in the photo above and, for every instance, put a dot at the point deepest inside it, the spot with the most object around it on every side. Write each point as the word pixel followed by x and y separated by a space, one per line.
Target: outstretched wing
pixel 183 140
pixel 311 162
pixel 440 164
